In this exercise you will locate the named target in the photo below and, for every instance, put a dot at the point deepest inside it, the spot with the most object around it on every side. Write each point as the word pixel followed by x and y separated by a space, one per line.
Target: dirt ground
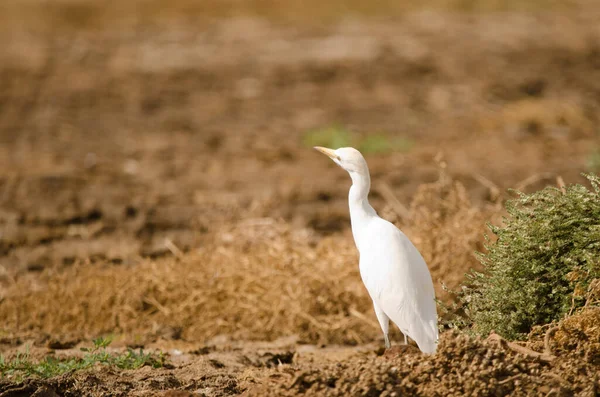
pixel 156 184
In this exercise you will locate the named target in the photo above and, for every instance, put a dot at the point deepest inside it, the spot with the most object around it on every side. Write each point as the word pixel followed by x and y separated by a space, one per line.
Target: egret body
pixel 391 267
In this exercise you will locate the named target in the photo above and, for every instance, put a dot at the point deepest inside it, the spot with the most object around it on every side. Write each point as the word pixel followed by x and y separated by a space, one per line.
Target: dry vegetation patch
pixel 579 335
pixel 258 279
pixel 448 229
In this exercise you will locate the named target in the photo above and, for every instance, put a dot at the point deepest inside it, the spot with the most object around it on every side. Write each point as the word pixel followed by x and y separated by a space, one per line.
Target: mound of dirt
pixel 462 366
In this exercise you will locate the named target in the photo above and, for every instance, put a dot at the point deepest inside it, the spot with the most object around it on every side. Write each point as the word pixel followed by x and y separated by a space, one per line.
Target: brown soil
pixel 155 185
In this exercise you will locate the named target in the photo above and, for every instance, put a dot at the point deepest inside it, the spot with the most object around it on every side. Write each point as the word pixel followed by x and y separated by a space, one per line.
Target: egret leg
pixel 405 339
pixel 384 322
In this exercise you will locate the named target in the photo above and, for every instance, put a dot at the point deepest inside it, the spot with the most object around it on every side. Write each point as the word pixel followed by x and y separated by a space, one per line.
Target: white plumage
pixel 391 267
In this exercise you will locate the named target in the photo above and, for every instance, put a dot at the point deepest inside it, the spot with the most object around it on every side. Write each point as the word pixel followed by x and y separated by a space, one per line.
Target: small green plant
pixel 593 161
pixel 380 143
pixel 332 137
pixel 23 367
pixel 336 137
pixel 540 267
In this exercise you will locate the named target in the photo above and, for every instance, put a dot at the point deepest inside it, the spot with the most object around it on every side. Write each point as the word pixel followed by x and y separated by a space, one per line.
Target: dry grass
pixel 580 334
pixel 251 282
pixel 448 229
pixel 258 279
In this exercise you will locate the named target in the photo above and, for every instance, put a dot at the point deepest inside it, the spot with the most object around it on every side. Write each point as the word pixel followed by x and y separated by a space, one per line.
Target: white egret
pixel 391 267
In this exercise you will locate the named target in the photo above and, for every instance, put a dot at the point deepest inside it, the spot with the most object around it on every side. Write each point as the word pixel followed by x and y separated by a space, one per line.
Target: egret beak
pixel 328 152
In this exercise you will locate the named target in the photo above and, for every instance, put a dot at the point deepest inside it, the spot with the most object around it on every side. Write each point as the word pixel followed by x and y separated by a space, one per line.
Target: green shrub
pixel 540 266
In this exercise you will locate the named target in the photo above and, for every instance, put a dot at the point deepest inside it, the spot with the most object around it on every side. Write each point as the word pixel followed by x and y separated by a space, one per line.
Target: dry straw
pixel 251 281
pixel 258 279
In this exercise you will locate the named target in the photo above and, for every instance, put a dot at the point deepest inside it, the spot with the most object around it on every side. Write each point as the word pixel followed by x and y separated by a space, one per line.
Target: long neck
pixel 361 211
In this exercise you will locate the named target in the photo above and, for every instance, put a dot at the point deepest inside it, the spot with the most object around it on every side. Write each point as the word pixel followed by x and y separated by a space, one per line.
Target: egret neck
pixel 361 211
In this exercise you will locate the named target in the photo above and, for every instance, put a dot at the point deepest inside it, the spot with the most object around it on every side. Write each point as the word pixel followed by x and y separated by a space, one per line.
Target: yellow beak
pixel 328 152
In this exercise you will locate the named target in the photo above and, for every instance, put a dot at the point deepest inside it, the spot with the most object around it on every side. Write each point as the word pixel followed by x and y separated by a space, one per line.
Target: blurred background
pixel 148 148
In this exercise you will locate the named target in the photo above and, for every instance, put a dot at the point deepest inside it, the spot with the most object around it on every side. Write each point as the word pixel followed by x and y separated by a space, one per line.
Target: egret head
pixel 348 158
